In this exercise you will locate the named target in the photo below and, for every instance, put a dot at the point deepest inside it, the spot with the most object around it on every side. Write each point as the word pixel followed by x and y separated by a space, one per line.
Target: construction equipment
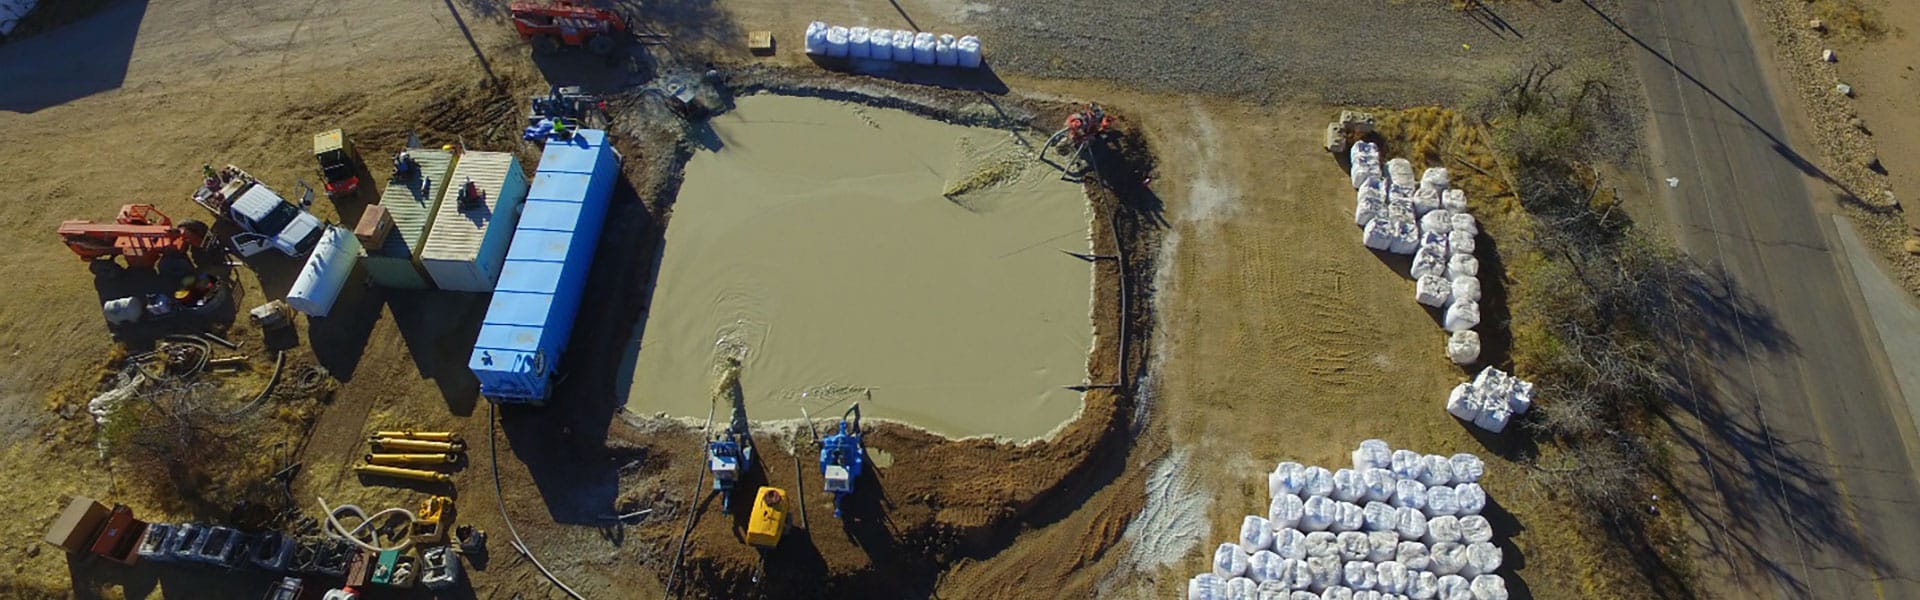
pixel 265 219
pixel 843 457
pixel 339 163
pixel 430 523
pixel 387 444
pixel 199 295
pixel 728 455
pixel 769 519
pixel 424 458
pixel 439 568
pixel 567 106
pixel 393 568
pixel 403 473
pixel 271 316
pixel 1081 131
pixel 142 236
pixel 569 24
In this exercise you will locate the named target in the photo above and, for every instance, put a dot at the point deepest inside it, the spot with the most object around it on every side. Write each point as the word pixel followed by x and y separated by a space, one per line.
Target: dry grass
pixel 1850 19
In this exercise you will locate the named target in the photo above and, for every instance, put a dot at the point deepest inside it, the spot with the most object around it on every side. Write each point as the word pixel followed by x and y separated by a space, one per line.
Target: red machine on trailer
pixel 142 235
pixel 568 23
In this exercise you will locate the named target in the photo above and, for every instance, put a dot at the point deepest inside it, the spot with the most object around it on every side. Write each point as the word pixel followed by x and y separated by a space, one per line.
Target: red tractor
pixel 567 23
pixel 142 235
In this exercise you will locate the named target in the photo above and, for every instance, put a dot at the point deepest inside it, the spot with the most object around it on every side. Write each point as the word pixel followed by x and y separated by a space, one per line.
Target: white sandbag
pixel 1372 187
pixel 1406 238
pixel 1400 209
pixel 1317 513
pixel 1379 234
pixel 1408 492
pixel 1469 498
pixel 1454 200
pixel 1464 222
pixel 1284 480
pixel 1521 399
pixel 1443 529
pixel 1400 173
pixel 1206 586
pixel 1366 209
pixel 1430 289
pixel 1426 200
pixel 1337 592
pixel 1446 558
pixel 1229 561
pixel 1243 588
pixel 1463 265
pixel 923 49
pixel 1290 543
pixel 1460 241
pixel 1390 577
pixel 1381 545
pixel 1463 404
pixel 1410 523
pixel 1484 557
pixel 1346 485
pixel 837 41
pixel 1359 575
pixel 1437 221
pixel 1439 472
pixel 1378 516
pixel 880 44
pixel 1412 554
pixel 1462 315
pixel 1364 153
pixel 902 46
pixel 1453 587
pixel 1299 578
pixel 816 38
pixel 1361 173
pixel 1467 468
pixel 1429 260
pixel 1264 566
pixel 1353 545
pixel 943 52
pixel 1408 464
pixel 1285 511
pixel 1256 534
pixel 1372 454
pixel 1475 528
pixel 1274 590
pixel 1436 178
pixel 1320 544
pixel 1463 348
pixel 968 49
pixel 1488 587
pixel 1316 481
pixel 1379 481
pixel 1347 516
pixel 1323 572
pixel 859 42
pixel 1422 585
pixel 1465 287
pixel 1493 418
pixel 1441 501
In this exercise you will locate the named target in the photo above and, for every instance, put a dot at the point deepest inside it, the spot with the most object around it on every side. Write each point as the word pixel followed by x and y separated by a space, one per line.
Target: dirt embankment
pixel 941 500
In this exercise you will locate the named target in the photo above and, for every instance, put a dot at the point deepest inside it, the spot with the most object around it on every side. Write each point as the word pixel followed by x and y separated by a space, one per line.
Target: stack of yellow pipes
pixel 413 454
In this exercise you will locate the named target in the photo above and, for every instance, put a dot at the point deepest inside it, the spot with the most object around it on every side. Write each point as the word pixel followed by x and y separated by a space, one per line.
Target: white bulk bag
pixel 943 51
pixel 968 49
pixel 1379 234
pixel 1297 576
pixel 1463 405
pixel 1475 528
pixel 1317 514
pixel 1323 572
pixel 1410 523
pixel 1353 545
pixel 816 38
pixel 1284 480
pixel 902 46
pixel 1379 482
pixel 1256 534
pixel 1359 575
pixel 1285 511
pixel 1488 587
pixel 1412 554
pixel 1463 347
pixel 1408 492
pixel 1381 545
pixel 1362 173
pixel 1465 287
pixel 1446 558
pixel 1372 454
pixel 1463 265
pixel 859 42
pixel 1377 516
pixel 1321 544
pixel 1366 209
pixel 1462 315
pixel 1390 577
pixel 1522 397
pixel 1425 200
pixel 1460 241
pixel 1437 221
pixel 1373 187
pixel 1408 464
pixel 1264 566
pixel 1364 153
pixel 1400 173
pixel 837 41
pixel 1483 557
pixel 1302 593
pixel 1290 543
pixel 923 49
pixel 1431 289
pixel 1400 208
pixel 1206 586
pixel 1454 200
pixel 1443 529
pixel 1493 417
pixel 1422 585
pixel 880 44
pixel 1316 481
pixel 1347 516
pixel 1229 561
pixel 1370 595
pixel 1346 485
pixel 1406 238
pixel 1430 259
pixel 1436 178
pixel 1467 468
pixel 1439 472
pixel 1453 587
pixel 1242 588
pixel 1337 592
pixel 1441 501
pixel 1463 222
pixel 1470 499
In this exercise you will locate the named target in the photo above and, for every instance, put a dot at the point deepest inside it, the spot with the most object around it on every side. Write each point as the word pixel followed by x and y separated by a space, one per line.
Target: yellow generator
pixel 769 518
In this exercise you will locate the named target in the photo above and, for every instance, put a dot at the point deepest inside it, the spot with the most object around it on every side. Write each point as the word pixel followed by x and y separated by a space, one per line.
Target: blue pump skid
pixel 843 458
pixel 543 279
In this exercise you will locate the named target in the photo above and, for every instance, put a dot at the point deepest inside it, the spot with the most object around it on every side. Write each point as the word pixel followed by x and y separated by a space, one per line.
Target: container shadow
pixel 340 338
pixel 71 62
pixel 438 329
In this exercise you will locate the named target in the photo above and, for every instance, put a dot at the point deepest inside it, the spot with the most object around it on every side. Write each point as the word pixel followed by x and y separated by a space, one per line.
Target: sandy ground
pixel 815 247
pixel 1283 338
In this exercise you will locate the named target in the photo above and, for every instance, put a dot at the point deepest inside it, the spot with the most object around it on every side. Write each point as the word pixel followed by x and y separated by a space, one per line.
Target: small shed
pixel 411 203
pixel 467 242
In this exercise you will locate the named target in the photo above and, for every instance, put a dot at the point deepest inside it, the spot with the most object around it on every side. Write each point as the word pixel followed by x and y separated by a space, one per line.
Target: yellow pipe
pixel 392 444
pixel 438 436
pixel 403 473
pixel 410 459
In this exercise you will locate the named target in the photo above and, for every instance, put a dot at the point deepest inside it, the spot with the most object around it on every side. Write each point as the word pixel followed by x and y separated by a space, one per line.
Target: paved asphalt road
pixel 1818 486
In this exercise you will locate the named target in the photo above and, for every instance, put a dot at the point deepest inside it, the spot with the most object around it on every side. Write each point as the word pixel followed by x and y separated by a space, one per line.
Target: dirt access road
pixel 1803 437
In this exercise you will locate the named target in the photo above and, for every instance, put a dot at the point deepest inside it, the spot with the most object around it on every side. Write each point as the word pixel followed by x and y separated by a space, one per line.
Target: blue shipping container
pixel 538 296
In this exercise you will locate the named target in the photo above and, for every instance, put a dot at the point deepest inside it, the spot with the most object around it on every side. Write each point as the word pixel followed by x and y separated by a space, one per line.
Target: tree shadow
pixel 72 61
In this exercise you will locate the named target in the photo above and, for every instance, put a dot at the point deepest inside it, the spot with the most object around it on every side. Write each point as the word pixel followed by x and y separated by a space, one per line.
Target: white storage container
pixel 325 274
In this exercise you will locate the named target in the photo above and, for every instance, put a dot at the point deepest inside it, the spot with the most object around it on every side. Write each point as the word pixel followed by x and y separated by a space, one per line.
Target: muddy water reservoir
pixel 841 252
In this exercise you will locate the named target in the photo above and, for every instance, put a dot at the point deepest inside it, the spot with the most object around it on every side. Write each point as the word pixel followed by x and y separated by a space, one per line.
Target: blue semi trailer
pixel 538 296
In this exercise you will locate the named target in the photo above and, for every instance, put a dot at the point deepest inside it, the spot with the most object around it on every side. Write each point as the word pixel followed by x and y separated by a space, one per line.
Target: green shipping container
pixel 412 204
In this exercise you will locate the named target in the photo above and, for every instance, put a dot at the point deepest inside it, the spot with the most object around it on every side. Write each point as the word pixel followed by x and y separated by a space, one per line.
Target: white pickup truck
pixel 265 219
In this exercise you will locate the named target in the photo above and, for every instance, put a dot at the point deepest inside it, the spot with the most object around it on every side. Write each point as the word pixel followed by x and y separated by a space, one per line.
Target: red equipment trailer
pixel 568 23
pixel 142 235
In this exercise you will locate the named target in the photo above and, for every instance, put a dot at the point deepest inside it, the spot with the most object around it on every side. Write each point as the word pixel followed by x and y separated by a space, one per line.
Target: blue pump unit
pixel 542 281
pixel 843 457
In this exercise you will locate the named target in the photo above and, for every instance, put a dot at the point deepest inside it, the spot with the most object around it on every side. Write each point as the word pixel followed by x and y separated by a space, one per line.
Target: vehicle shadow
pixel 70 62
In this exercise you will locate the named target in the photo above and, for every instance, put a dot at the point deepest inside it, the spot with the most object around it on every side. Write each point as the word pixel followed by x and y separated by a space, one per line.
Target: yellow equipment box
pixel 769 518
